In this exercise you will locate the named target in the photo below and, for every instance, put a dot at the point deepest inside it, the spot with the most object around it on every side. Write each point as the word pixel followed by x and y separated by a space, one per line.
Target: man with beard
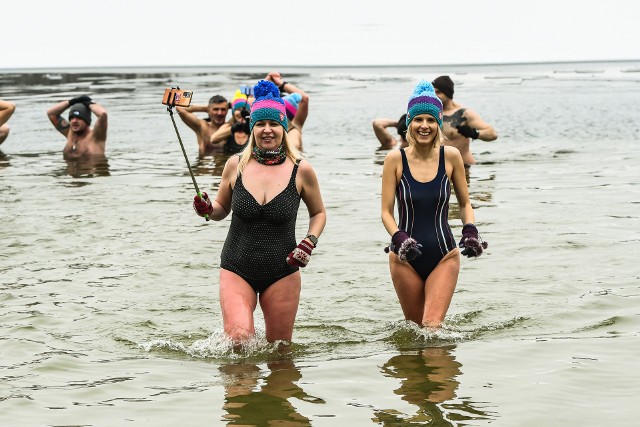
pixel 83 141
pixel 204 128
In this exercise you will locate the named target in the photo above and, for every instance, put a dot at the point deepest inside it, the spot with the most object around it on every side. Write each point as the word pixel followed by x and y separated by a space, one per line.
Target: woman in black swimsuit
pixel 263 187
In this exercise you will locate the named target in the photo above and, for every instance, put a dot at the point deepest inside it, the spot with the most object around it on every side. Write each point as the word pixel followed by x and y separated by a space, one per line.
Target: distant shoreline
pixel 128 68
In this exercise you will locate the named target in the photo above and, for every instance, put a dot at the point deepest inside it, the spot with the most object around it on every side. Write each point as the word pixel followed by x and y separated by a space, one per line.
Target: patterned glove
pixel 300 256
pixel 84 99
pixel 471 242
pixel 202 206
pixel 468 131
pixel 407 248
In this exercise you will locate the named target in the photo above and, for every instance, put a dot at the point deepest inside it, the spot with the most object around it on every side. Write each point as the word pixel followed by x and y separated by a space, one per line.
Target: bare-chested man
pixel 6 111
pixel 83 142
pixel 204 128
pixel 461 124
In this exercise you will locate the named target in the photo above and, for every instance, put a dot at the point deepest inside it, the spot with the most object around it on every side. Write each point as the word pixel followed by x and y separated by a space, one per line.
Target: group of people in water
pixel 266 176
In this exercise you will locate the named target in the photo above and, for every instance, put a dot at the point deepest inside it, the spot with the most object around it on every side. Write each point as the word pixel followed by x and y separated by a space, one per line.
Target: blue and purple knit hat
pixel 291 102
pixel 268 105
pixel 424 100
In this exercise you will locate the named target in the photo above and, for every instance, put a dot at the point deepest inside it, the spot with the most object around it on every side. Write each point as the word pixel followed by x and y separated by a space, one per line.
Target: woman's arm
pixel 222 204
pixel 390 174
pixel 221 135
pixel 310 194
pixel 460 184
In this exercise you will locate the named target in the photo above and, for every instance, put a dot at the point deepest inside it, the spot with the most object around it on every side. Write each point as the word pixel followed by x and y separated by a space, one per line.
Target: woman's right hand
pixel 202 206
pixel 406 247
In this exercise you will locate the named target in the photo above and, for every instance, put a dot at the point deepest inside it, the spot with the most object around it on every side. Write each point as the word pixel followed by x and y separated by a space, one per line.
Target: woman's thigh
pixel 279 305
pixel 238 301
pixel 409 287
pixel 439 288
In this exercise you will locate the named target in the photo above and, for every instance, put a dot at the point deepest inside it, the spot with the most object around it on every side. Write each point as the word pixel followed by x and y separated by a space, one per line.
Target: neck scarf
pixel 269 157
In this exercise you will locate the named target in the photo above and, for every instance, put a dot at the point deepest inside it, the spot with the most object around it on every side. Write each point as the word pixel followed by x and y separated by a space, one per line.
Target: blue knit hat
pixel 424 100
pixel 268 104
pixel 291 102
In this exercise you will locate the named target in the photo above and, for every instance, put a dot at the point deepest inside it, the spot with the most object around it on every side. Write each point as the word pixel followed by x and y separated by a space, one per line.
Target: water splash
pixel 218 346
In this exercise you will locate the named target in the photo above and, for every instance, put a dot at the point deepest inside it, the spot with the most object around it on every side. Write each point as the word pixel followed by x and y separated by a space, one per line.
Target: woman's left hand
pixel 301 255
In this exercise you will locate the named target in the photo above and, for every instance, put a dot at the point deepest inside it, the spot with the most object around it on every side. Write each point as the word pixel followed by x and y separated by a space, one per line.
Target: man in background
pixel 217 111
pixel 460 124
pixel 83 141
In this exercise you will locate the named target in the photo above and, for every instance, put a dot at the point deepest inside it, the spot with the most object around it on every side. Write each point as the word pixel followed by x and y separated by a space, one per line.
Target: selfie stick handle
pixel 195 184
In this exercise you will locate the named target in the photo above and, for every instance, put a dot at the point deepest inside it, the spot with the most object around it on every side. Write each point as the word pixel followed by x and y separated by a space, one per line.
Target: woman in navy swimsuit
pixel 423 258
pixel 262 187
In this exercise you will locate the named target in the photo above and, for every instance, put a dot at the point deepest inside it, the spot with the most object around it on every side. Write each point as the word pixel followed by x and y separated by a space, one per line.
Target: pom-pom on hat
pixel 268 105
pixel 291 102
pixel 423 100
pixel 239 101
pixel 80 111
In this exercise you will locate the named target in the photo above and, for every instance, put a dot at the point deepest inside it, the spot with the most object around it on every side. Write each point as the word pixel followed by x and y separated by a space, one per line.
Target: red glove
pixel 300 256
pixel 202 206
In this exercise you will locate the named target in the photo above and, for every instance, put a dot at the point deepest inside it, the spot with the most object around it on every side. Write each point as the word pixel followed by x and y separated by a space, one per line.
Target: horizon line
pixel 487 64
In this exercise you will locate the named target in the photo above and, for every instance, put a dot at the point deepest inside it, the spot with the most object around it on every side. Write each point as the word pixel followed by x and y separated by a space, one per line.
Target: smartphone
pixel 177 97
pixel 246 90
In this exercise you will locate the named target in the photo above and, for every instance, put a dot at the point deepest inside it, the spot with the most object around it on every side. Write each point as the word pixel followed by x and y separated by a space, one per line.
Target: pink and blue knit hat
pixel 291 102
pixel 268 105
pixel 424 100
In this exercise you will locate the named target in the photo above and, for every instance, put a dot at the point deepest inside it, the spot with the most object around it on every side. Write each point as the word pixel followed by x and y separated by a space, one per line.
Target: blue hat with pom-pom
pixel 424 100
pixel 268 105
pixel 291 102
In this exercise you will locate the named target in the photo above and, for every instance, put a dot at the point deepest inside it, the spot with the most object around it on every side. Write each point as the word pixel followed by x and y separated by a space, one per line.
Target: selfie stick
pixel 195 184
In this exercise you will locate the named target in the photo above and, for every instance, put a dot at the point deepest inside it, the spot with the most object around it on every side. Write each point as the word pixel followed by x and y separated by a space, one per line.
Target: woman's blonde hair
pixel 290 150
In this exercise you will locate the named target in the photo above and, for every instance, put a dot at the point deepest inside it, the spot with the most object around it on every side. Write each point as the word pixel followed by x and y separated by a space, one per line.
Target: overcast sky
pixel 64 33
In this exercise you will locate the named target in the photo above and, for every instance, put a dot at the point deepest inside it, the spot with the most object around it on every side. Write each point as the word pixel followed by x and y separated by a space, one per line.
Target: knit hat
pixel 445 85
pixel 291 102
pixel 239 101
pixel 423 100
pixel 268 104
pixel 80 111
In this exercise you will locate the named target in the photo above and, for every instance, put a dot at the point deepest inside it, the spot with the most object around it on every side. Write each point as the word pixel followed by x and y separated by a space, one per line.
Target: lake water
pixel 109 306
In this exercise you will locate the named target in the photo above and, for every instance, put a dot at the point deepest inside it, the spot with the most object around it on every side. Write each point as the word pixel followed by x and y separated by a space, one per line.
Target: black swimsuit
pixel 232 147
pixel 261 236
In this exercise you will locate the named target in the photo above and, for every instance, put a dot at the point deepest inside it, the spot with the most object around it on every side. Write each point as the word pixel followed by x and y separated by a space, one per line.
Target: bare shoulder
pixel 452 155
pixel 305 169
pixel 232 162
pixel 393 157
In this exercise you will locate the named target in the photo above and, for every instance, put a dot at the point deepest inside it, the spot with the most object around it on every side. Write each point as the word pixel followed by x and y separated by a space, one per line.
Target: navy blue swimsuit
pixel 423 209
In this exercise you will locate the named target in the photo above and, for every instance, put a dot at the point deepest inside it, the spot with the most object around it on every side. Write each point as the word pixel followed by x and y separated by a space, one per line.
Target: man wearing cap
pixel 83 141
pixel 217 110
pixel 461 124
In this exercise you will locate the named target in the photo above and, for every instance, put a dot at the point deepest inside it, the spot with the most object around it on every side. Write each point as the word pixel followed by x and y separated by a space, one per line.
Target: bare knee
pixel 237 334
